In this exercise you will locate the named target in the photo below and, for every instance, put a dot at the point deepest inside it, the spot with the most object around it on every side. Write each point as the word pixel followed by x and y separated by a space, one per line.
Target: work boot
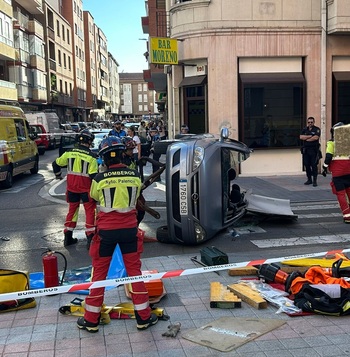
pixel 86 325
pixel 88 240
pixel 314 182
pixel 308 182
pixel 144 324
pixel 68 239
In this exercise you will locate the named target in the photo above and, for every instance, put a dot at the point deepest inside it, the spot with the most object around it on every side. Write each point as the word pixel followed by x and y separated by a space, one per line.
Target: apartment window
pixel 139 87
pixel 59 57
pixel 64 61
pixel 145 98
pixel 6 36
pixel 145 87
pixel 58 28
pixel 140 108
pixel 66 87
pixel 70 89
pixel 61 87
pixel 63 33
pixel 76 51
pixel 272 111
pixel 139 98
pixel 69 65
pixel 145 108
pixel 68 36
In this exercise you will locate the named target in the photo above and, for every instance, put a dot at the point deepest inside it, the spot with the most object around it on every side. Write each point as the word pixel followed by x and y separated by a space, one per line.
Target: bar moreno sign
pixel 163 50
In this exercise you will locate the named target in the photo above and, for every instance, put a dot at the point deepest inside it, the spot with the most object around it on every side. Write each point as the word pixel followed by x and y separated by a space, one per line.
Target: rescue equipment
pixel 50 268
pixel 10 281
pixel 213 256
pixel 124 310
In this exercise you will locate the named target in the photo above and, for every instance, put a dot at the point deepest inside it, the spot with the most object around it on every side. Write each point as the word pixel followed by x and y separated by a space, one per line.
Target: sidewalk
pixel 43 331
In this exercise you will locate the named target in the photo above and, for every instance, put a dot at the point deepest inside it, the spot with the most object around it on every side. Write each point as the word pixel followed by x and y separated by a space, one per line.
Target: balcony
pixel 51 33
pixel 37 62
pixel 145 24
pixel 21 20
pixel 36 28
pixel 32 6
pixel 25 93
pixel 8 90
pixel 22 56
pixel 64 99
pixel 338 17
pixel 52 64
pixel 39 94
pixel 7 52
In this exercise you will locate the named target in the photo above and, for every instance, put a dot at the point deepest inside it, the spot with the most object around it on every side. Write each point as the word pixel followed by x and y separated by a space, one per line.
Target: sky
pixel 120 21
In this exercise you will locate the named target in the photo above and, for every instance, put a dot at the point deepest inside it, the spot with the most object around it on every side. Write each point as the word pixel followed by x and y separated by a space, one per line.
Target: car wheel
pixel 7 183
pixel 163 234
pixel 160 147
pixel 35 169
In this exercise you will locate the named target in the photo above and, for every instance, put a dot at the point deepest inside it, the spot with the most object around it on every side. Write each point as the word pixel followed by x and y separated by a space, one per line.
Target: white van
pixel 51 123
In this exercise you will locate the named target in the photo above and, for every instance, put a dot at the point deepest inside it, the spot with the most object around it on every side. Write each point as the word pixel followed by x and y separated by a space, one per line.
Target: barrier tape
pixel 164 275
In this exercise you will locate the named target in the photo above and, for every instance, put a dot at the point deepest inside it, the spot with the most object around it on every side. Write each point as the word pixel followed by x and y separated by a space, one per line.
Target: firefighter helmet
pixel 111 144
pixel 85 136
pixel 128 142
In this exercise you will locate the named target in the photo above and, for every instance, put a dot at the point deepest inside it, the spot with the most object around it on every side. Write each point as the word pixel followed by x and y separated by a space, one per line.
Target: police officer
pixel 81 166
pixel 117 190
pixel 117 130
pixel 310 136
pixel 339 166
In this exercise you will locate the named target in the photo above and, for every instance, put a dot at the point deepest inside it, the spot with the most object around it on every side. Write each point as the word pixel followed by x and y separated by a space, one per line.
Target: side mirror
pixel 224 133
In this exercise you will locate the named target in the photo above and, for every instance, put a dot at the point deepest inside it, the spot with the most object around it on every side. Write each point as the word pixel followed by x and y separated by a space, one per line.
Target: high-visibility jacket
pixel 339 165
pixel 81 166
pixel 117 191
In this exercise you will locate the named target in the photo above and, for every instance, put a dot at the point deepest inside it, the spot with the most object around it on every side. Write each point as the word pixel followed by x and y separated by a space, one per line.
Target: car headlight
pixel 199 232
pixel 197 156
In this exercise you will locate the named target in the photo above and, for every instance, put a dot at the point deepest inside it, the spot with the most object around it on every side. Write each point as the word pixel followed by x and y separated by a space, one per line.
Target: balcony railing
pixel 52 64
pixel 21 19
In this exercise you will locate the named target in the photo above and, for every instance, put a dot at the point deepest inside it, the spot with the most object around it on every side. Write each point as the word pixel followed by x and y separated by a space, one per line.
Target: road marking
pixel 286 242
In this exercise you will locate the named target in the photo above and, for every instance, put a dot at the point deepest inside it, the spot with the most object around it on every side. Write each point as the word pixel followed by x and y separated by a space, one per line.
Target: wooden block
pixel 222 298
pixel 248 295
pixel 243 271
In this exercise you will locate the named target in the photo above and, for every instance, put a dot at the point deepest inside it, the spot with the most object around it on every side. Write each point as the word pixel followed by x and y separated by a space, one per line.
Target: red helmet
pixel 128 142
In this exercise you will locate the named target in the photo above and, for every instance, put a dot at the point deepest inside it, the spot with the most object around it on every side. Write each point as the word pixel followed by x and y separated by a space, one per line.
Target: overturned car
pixel 202 198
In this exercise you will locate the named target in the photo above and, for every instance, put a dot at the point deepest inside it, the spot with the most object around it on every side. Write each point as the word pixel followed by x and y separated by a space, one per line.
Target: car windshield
pixel 97 141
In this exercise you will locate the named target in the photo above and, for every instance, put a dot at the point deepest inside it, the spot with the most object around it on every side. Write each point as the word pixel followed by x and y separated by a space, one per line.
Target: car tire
pixel 7 183
pixel 161 146
pixel 35 168
pixel 163 234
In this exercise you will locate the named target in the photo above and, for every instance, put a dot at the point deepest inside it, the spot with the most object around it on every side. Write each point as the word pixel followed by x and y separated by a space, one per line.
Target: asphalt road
pixel 31 221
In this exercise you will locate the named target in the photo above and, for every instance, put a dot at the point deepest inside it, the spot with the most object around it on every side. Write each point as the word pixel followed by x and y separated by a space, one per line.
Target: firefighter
pixel 81 166
pixel 117 190
pixel 339 166
pixel 128 156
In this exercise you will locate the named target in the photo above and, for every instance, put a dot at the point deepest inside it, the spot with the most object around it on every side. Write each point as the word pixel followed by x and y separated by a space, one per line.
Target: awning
pixel 193 81
pixel 342 76
pixel 294 77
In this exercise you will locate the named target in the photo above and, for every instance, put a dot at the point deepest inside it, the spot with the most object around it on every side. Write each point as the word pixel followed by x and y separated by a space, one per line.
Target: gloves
pixel 324 170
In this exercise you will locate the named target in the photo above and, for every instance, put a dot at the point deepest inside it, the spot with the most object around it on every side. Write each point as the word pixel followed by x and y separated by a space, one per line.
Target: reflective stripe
pixel 341 158
pixel 121 210
pixel 94 309
pixel 77 173
pixel 347 215
pixel 90 229
pixel 108 197
pixel 139 307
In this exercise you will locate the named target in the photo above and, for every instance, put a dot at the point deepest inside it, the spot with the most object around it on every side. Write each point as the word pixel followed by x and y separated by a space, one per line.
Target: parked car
pixel 75 127
pixel 18 151
pixel 67 128
pixel 201 199
pixel 42 138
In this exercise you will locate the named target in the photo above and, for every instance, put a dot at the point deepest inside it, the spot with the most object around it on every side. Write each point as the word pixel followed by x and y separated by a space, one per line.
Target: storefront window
pixel 272 110
pixel 341 97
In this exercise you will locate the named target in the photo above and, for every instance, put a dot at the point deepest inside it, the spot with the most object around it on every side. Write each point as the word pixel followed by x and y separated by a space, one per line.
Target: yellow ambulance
pixel 18 151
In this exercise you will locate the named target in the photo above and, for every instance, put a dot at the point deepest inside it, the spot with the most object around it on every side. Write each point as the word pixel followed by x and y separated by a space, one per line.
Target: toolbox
pixel 213 256
pixel 154 287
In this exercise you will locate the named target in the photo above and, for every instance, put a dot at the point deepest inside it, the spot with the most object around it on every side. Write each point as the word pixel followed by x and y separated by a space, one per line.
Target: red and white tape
pixel 170 274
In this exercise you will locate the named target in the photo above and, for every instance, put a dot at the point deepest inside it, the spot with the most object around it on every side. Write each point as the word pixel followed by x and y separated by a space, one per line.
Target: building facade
pixel 261 68
pixel 136 100
pixel 114 88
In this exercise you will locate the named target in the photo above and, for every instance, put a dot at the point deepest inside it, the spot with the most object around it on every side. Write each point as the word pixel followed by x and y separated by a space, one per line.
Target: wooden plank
pixel 243 271
pixel 221 297
pixel 289 269
pixel 248 295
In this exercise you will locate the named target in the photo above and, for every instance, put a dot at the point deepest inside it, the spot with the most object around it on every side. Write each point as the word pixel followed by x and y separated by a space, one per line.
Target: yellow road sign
pixel 163 50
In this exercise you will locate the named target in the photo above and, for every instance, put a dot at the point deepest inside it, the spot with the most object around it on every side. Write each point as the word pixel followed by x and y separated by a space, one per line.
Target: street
pixel 31 220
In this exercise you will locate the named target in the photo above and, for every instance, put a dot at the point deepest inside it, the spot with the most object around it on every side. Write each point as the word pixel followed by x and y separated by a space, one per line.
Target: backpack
pixel 311 299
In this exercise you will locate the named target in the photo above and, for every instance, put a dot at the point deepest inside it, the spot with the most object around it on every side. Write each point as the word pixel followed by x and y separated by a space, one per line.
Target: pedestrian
pixel 137 149
pixel 82 167
pixel 154 136
pixel 162 130
pixel 117 130
pixel 117 191
pixel 310 136
pixel 339 166
pixel 142 131
pixel 184 129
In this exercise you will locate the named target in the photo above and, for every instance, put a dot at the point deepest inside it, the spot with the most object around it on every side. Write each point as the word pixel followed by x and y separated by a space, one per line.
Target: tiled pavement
pixel 44 332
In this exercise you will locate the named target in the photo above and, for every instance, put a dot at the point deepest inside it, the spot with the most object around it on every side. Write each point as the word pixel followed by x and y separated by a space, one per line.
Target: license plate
pixel 183 198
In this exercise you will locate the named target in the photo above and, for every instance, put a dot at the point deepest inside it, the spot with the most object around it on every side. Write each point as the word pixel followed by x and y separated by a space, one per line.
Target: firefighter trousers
pixel 101 251
pixel 74 199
